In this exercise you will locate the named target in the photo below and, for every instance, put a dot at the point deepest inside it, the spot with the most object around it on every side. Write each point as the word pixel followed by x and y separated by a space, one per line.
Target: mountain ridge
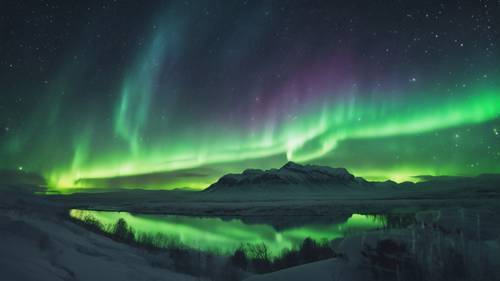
pixel 300 177
pixel 293 178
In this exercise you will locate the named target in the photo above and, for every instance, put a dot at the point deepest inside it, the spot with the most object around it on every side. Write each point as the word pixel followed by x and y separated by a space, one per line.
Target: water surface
pixel 226 235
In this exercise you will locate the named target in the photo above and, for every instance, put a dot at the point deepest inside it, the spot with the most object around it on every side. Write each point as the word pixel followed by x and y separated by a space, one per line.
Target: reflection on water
pixel 215 234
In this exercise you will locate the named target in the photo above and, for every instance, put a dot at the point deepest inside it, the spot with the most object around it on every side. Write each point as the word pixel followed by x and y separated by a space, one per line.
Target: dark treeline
pixel 427 252
pixel 248 257
pixel 394 220
pixel 181 258
pixel 256 257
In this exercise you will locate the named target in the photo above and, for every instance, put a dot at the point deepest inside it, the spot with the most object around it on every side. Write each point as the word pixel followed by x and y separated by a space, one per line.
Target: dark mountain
pixel 291 175
pixel 295 179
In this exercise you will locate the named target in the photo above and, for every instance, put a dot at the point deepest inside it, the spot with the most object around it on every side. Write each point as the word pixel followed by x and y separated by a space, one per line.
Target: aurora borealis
pixel 196 89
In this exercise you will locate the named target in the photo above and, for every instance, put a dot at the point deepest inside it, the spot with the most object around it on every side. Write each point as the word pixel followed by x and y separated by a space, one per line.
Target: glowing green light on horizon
pixel 310 137
pixel 170 107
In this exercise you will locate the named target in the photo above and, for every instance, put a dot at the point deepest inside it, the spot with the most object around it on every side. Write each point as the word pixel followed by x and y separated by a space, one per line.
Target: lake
pixel 224 235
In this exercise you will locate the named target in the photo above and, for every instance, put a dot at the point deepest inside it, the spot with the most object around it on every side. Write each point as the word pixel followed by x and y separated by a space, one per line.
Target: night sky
pixel 186 91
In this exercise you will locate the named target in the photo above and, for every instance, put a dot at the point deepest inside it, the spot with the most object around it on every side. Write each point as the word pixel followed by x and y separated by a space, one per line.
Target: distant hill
pixel 17 177
pixel 291 176
pixel 294 178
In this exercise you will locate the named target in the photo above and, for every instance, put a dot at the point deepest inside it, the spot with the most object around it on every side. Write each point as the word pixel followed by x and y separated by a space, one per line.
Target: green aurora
pixel 303 139
pixel 159 112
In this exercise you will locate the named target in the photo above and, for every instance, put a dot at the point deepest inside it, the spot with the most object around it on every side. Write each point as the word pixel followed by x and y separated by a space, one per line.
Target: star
pixel 301 71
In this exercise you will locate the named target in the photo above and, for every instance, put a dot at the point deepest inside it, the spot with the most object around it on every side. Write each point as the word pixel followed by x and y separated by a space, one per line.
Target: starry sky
pixel 165 94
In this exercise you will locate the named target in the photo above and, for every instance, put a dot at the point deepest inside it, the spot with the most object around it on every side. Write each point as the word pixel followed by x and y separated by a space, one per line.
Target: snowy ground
pixel 450 244
pixel 37 244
